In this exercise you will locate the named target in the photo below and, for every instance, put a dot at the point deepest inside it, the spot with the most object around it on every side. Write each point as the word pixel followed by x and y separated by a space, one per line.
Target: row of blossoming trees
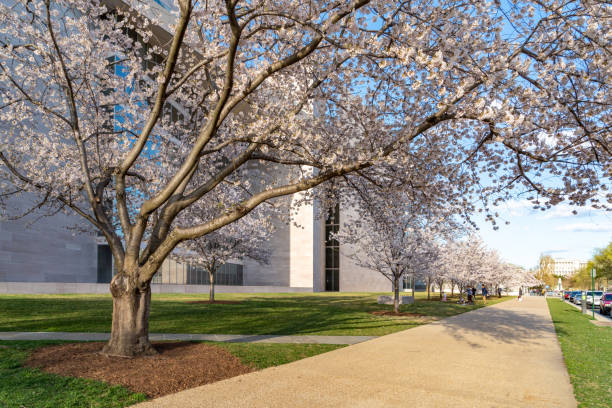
pixel 399 234
pixel 162 127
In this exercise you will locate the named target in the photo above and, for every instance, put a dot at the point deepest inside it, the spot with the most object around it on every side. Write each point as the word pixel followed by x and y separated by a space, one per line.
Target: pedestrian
pixel 498 292
pixel 469 294
pixel 485 292
pixel 520 296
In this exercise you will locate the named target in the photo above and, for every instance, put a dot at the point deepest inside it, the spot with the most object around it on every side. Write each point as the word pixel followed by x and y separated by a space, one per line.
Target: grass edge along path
pixel 26 387
pixel 587 351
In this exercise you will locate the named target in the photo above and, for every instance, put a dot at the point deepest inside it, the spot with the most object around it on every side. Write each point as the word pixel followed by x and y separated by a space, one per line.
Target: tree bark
pixel 452 289
pixel 428 288
pixel 396 294
pixel 211 290
pixel 130 325
pixel 441 285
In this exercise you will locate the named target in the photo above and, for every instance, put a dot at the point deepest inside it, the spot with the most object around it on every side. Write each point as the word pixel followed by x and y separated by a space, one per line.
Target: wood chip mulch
pixel 216 302
pixel 177 367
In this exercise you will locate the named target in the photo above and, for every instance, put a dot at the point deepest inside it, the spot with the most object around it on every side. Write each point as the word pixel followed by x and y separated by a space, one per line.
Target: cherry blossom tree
pixel 465 261
pixel 394 232
pixel 242 239
pixel 129 115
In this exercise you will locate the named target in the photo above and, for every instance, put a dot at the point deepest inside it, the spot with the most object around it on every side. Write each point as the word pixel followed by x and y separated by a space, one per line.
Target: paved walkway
pixel 506 355
pixel 228 338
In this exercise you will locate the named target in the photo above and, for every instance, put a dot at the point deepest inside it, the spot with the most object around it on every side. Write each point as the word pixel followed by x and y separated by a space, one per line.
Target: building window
pixel 178 273
pixel 408 281
pixel 105 264
pixel 332 251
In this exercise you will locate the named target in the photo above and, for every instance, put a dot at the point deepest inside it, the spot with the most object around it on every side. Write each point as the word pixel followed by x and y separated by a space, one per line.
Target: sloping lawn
pixel 311 313
pixel 587 350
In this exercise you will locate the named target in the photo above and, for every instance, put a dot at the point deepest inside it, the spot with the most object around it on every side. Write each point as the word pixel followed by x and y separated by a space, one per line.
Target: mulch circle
pixel 392 313
pixel 177 367
pixel 220 302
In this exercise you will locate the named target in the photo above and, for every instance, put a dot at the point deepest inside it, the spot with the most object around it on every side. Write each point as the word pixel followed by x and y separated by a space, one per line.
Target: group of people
pixel 471 294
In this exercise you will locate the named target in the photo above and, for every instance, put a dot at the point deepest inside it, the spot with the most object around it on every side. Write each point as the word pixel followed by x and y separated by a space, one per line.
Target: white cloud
pixel 564 211
pixel 585 227
pixel 517 208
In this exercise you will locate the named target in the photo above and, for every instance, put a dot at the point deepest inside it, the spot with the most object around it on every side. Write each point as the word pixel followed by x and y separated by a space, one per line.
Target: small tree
pixel 395 234
pixel 243 239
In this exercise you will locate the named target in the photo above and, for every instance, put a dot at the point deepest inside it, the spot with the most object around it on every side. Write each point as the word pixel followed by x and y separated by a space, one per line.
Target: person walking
pixel 520 296
pixel 469 294
pixel 485 292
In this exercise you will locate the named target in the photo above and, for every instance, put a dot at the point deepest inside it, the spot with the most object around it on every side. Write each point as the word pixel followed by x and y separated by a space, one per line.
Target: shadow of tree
pixel 509 325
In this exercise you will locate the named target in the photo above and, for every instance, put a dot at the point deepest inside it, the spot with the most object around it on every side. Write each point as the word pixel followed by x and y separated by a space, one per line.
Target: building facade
pixel 304 257
pixel 567 267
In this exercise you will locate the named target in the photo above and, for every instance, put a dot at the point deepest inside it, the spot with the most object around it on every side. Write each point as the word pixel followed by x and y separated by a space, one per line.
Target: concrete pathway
pixel 227 338
pixel 506 355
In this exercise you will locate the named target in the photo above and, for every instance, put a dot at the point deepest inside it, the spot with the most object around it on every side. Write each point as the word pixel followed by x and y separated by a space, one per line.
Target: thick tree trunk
pixel 452 289
pixel 396 294
pixel 441 285
pixel 130 325
pixel 211 290
pixel 428 288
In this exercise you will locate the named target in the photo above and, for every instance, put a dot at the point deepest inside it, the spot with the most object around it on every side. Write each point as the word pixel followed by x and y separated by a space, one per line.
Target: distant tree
pixel 243 239
pixel 602 262
pixel 545 271
pixel 394 234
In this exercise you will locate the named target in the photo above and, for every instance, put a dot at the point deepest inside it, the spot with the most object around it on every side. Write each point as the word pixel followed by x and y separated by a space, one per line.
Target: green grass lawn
pixel 587 350
pixel 31 388
pixel 22 387
pixel 307 313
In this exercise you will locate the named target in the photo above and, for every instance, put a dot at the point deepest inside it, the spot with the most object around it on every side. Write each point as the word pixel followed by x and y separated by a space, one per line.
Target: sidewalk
pixel 227 338
pixel 506 355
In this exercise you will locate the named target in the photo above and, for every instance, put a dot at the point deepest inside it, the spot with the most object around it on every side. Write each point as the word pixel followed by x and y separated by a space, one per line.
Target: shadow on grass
pixel 272 314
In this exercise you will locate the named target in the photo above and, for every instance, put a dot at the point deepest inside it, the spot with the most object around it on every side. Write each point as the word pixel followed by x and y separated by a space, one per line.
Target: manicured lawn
pixel 263 355
pixel 31 388
pixel 309 313
pixel 587 350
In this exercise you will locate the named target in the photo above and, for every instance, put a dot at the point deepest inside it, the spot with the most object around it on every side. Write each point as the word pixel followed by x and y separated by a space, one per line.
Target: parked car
pixel 578 297
pixel 566 294
pixel 605 305
pixel 590 295
pixel 573 295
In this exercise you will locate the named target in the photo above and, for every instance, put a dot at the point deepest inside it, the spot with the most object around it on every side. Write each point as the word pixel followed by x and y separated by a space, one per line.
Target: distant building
pixel 567 267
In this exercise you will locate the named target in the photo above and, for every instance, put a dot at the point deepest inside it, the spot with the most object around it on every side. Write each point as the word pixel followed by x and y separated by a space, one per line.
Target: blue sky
pixel 556 232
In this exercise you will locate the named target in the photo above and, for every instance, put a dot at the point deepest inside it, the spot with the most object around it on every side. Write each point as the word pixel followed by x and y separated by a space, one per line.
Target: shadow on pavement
pixel 508 325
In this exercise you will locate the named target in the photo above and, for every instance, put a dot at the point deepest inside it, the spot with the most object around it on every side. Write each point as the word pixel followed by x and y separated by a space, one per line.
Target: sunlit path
pixel 505 355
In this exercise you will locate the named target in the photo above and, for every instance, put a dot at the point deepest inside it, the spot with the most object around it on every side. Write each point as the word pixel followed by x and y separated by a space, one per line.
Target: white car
pixel 589 297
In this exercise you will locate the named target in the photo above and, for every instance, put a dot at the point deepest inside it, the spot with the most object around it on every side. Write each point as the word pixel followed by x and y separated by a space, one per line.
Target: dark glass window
pixel 105 264
pixel 332 251
pixel 193 274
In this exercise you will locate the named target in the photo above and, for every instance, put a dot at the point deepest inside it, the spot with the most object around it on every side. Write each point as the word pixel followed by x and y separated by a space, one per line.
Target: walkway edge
pixel 226 338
